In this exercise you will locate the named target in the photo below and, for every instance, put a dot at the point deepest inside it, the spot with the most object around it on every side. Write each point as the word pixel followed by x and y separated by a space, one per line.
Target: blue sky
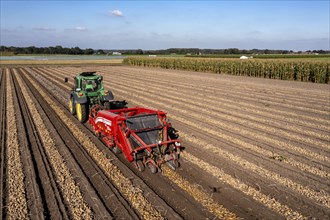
pixel 292 25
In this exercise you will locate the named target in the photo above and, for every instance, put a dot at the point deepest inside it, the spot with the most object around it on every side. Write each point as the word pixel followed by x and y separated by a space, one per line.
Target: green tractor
pixel 88 90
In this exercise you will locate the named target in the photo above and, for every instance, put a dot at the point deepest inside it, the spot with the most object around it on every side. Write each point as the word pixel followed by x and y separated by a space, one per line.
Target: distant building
pixel 116 53
pixel 244 58
pixel 152 55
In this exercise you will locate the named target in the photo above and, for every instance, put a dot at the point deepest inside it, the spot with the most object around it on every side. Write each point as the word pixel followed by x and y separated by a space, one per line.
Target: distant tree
pixel 139 51
pixel 89 51
pixel 76 51
pixel 101 52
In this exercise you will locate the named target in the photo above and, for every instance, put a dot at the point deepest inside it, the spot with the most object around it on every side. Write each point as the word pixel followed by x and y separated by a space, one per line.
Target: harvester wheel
pixel 152 167
pixel 173 163
pixel 82 112
pixel 116 150
pixel 72 107
pixel 140 165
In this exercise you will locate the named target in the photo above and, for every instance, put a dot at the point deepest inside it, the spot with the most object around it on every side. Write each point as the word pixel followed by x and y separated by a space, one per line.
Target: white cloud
pixel 44 29
pixel 116 13
pixel 80 29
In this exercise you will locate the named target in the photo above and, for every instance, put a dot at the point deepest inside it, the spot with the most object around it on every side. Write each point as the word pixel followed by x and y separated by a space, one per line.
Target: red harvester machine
pixel 144 136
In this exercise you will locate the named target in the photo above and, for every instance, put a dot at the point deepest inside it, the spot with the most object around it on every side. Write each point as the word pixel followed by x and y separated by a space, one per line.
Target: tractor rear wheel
pixel 72 107
pixel 82 112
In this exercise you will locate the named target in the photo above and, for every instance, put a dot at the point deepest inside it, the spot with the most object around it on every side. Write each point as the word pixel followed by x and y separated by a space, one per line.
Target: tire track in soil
pixel 3 123
pixel 101 195
pixel 16 206
pixel 67 193
pixel 220 209
pixel 282 207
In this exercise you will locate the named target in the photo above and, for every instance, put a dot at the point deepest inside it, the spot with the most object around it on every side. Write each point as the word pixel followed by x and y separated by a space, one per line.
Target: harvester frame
pixel 144 136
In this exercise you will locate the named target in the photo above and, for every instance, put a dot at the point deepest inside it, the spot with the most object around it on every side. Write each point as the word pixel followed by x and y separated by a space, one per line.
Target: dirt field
pixel 254 148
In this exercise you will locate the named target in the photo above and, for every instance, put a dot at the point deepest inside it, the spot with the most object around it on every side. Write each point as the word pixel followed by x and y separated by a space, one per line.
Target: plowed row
pixel 255 148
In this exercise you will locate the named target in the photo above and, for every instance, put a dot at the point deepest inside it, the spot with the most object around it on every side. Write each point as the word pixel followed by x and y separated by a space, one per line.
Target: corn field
pixel 299 70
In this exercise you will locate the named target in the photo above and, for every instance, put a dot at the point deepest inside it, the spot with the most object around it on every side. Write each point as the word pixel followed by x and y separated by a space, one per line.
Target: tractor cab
pixel 88 90
pixel 89 82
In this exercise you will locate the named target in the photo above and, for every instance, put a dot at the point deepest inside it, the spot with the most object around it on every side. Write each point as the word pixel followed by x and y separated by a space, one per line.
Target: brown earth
pixel 254 148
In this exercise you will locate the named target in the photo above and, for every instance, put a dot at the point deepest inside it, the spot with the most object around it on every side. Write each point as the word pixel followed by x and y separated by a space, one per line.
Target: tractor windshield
pixel 91 85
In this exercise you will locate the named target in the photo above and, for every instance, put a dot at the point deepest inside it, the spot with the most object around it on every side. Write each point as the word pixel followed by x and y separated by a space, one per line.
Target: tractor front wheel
pixel 72 107
pixel 82 112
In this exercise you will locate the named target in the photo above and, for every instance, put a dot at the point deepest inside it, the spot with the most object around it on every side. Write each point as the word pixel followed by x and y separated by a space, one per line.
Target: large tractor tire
pixel 72 107
pixel 82 112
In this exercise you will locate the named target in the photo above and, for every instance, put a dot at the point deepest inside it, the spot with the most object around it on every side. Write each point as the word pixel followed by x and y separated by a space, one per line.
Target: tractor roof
pixel 87 74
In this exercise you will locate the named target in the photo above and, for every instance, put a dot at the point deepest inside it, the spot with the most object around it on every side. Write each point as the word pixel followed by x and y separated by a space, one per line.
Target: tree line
pixel 179 51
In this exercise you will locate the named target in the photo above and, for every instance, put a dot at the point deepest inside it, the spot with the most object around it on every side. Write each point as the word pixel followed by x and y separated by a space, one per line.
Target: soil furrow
pixel 131 193
pixel 271 203
pixel 275 205
pixel 229 82
pixel 253 164
pixel 242 119
pixel 2 142
pixel 243 96
pixel 16 206
pixel 290 161
pixel 242 164
pixel 102 196
pixel 273 142
pixel 284 116
pixel 270 153
pixel 223 89
pixel 218 117
pixel 320 197
pixel 193 192
pixel 50 194
pixel 225 96
pixel 35 196
pixel 69 190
